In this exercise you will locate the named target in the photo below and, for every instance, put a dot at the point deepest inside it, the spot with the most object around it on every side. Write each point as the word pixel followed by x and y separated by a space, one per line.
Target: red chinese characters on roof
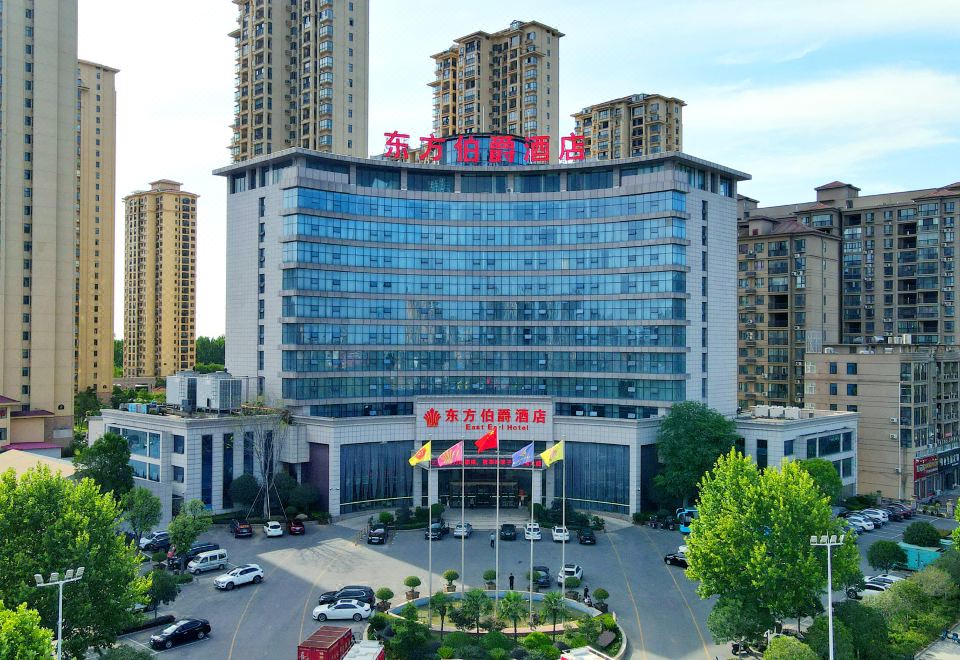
pixel 501 148
pixel 433 417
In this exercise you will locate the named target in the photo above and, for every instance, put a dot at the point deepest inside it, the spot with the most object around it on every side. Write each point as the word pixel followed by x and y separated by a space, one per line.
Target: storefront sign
pixel 924 467
pixel 572 148
pixel 484 419
pixel 481 462
pixel 522 419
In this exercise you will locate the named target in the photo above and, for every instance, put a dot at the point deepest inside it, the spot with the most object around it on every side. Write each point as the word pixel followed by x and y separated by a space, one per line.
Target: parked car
pixel 569 570
pixel 240 529
pixel 272 528
pixel 155 541
pixel 179 632
pixel 295 527
pixel 378 535
pixel 905 511
pixel 351 592
pixel 437 530
pixel 586 536
pixel 246 574
pixel 886 578
pixel 462 529
pixel 541 576
pixel 532 532
pixel 876 515
pixel 342 609
pixel 560 534
pixel 893 513
pixel 852 528
pixel 873 585
pixel 675 559
pixel 508 532
pixel 863 522
pixel 209 561
pixel 197 548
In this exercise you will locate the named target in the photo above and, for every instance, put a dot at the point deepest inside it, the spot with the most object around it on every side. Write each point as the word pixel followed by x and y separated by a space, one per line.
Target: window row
pixel 319 307
pixel 443 335
pixel 335 387
pixel 142 443
pixel 372 257
pixel 387 232
pixel 432 209
pixel 306 279
pixel 407 360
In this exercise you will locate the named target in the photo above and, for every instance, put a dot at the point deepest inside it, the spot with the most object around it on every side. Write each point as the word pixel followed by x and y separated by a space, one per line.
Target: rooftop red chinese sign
pixel 501 149
pixel 483 419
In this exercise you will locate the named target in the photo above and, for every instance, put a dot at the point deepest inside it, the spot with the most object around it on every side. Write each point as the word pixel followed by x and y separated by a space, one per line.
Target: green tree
pixel 788 648
pixel 512 607
pixel 825 476
pixel 78 525
pixel 118 353
pixel 211 350
pixel 743 621
pixel 554 607
pixel 22 637
pixel 751 541
pixel 884 555
pixel 107 463
pixel 305 497
pixel 85 404
pixel 867 628
pixel 691 438
pixel 936 583
pixel 285 486
pixel 474 606
pixel 163 589
pixel 539 646
pixel 409 640
pixel 922 533
pixel 142 510
pixel 440 603
pixel 950 562
pixel 244 490
pixel 124 652
pixel 192 521
pixel 817 638
pixel 120 396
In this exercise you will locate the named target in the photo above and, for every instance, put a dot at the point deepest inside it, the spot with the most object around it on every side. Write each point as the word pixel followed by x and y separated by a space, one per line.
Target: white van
pixel 208 561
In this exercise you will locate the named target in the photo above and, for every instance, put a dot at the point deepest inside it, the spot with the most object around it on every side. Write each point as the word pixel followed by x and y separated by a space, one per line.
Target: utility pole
pixel 829 543
pixel 56 581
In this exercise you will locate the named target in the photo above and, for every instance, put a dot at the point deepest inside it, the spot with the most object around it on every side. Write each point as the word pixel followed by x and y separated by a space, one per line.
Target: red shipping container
pixel 327 643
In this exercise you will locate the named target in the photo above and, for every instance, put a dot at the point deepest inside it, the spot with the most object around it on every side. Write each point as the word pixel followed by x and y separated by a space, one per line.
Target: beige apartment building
pixel 96 192
pixel 159 322
pixel 787 303
pixel 38 183
pixel 504 82
pixel 635 125
pixel 301 76
pixel 908 400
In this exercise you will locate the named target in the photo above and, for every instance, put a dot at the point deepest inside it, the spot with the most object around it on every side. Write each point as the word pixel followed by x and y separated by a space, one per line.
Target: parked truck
pixel 366 650
pixel 918 557
pixel 327 643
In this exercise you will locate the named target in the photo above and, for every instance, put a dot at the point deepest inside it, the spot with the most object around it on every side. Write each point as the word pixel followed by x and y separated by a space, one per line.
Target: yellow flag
pixel 422 454
pixel 552 455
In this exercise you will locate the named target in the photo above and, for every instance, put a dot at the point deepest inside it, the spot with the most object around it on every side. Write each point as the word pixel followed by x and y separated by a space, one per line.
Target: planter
pixel 383 606
pixel 413 595
pixel 603 607
pixel 491 586
pixel 573 595
pixel 451 588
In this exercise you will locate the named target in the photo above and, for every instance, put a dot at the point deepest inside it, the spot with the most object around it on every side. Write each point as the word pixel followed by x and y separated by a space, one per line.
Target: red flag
pixel 488 441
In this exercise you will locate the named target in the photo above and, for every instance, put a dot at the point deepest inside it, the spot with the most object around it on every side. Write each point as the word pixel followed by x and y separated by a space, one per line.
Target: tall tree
pixel 751 541
pixel 192 521
pixel 867 627
pixel 142 510
pixel 788 648
pixel 22 637
pixel 817 638
pixel 49 523
pixel 244 489
pixel 736 620
pixel 265 429
pixel 512 607
pixel 85 404
pixel 825 476
pixel 107 462
pixel 884 555
pixel 211 350
pixel 474 606
pixel 163 588
pixel 118 353
pixel 440 603
pixel 691 438
pixel 554 607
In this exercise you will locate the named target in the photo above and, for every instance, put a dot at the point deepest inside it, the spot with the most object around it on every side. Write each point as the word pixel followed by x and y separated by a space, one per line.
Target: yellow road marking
pixel 256 589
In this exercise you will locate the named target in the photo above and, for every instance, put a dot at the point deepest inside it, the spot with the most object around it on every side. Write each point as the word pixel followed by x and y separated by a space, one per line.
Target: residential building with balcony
pixel 504 82
pixel 787 304
pixel 635 125
pixel 301 77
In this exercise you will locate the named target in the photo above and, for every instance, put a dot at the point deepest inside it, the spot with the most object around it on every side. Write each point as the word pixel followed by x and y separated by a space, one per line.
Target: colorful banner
pixel 488 440
pixel 552 455
pixel 523 457
pixel 452 456
pixel 422 454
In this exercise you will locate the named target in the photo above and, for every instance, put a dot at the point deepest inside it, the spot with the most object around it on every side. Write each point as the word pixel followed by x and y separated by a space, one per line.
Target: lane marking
pixel 626 581
pixel 313 587
pixel 256 590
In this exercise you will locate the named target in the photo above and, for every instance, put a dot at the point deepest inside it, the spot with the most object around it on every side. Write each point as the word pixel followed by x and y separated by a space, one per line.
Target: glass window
pixel 374 177
pixel 851 389
pixel 848 441
pixel 178 474
pixel 833 367
pixel 206 469
pixel 483 184
pixel 599 476
pixel 788 447
pixel 536 183
pixel 761 454
pixel 851 368
pixel 833 388
pixel 179 445
pixel 590 180
pixel 227 469
pixel 429 182
pixel 829 444
pixel 375 475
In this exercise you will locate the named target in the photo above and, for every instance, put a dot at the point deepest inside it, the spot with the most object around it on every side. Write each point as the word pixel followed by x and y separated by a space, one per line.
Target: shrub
pixel 597 523
pixel 640 518
pixel 323 517
pixel 386 517
pixel 607 621
pixel 492 624
pixel 489 575
pixel 788 648
pixel 445 652
pixel 496 640
pixel 409 612
pixel 922 534
pixel 600 595
pixel 184 578
pixel 571 582
pixel 884 555
pixel 950 562
pixel 412 582
pixel 437 509
pixel 455 640
pixel 384 594
pixel 158 556
pixel 936 583
pixel 817 639
pixel 379 621
pixel 450 575
pixel 403 515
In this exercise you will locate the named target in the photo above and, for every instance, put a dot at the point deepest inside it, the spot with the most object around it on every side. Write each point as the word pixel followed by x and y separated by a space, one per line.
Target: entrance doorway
pixel 480 488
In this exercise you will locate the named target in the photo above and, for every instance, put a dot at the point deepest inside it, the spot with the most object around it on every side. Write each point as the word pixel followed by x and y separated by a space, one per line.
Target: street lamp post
pixel 829 543
pixel 55 580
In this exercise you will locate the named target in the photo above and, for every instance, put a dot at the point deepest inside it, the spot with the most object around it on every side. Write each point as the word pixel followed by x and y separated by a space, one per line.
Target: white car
pixel 874 585
pixel 863 521
pixel 560 534
pixel 272 528
pixel 342 609
pixel 885 578
pixel 462 529
pixel 568 571
pixel 246 574
pixel 876 514
pixel 532 532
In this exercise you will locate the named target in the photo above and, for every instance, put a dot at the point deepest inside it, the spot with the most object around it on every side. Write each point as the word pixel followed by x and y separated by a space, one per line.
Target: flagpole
pixel 463 530
pixel 496 532
pixel 563 516
pixel 533 463
pixel 429 536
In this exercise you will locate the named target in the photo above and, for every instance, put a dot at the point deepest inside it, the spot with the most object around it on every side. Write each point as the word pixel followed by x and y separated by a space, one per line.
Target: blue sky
pixel 795 93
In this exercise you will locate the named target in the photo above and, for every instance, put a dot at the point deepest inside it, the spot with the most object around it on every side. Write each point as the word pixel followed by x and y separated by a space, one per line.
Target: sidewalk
pixel 942 649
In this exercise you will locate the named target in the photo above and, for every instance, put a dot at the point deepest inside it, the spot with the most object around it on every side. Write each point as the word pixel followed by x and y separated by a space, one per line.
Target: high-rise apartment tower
pixel 159 321
pixel 38 183
pixel 636 125
pixel 301 76
pixel 505 82
pixel 96 192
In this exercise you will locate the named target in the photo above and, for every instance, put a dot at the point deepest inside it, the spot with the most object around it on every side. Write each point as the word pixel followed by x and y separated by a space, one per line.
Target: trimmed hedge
pixel 163 620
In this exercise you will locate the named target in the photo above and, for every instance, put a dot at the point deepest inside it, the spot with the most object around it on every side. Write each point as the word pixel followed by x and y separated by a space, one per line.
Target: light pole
pixel 56 581
pixel 828 543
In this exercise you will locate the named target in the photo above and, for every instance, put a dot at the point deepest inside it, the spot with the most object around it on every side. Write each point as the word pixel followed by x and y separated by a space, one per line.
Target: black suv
pixel 378 535
pixel 541 576
pixel 354 591
pixel 508 532
pixel 586 536
pixel 197 548
pixel 437 530
pixel 181 631
pixel 240 528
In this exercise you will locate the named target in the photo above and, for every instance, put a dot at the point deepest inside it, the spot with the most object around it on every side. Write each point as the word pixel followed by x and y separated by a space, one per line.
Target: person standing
pixel 511 582
pixel 586 593
pixel 493 535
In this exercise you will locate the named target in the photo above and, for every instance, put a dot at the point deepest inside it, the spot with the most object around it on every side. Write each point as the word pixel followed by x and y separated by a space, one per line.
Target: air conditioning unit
pixel 894 436
pixel 894 420
pixel 798 327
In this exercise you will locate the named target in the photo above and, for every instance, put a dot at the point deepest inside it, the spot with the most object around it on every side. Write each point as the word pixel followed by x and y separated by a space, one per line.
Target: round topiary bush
pixel 923 534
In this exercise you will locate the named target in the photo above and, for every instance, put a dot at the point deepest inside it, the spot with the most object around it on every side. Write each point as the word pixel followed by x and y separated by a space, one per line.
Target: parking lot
pixel 893 531
pixel 656 605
